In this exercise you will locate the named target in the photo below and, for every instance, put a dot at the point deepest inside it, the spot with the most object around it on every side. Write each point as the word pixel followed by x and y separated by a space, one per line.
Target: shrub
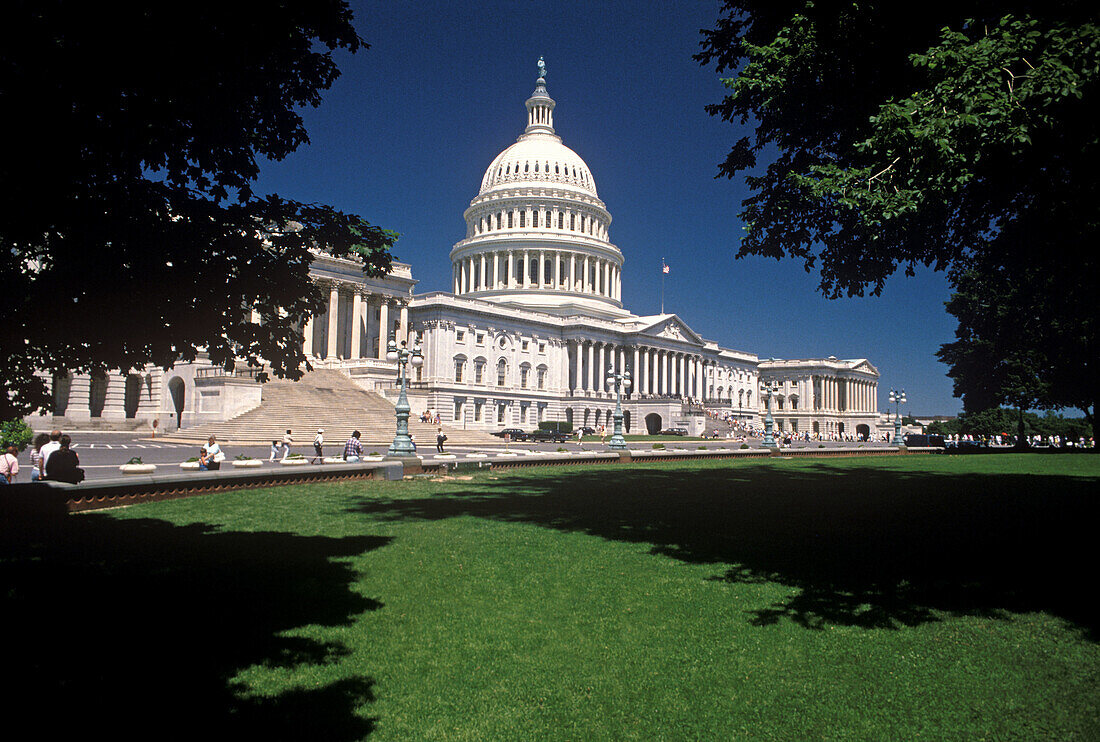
pixel 659 445
pixel 556 425
pixel 744 445
pixel 244 457
pixel 135 460
pixel 16 433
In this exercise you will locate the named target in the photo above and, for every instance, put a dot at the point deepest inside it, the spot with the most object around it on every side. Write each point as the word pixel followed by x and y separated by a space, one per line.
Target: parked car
pixel 586 430
pixel 516 434
pixel 547 436
pixel 918 440
pixel 674 431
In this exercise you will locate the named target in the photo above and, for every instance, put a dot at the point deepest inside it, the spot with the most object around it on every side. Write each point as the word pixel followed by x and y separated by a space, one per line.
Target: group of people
pixel 353 447
pixel 429 416
pixel 52 458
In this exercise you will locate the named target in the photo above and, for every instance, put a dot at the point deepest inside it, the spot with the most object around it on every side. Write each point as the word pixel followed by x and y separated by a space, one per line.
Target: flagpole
pixel 662 285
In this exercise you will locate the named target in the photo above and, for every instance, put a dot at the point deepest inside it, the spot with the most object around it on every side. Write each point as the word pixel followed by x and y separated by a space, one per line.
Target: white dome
pixel 537 232
pixel 539 158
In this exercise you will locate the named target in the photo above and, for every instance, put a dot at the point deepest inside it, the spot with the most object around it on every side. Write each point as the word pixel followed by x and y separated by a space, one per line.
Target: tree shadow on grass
pixel 859 546
pixel 140 626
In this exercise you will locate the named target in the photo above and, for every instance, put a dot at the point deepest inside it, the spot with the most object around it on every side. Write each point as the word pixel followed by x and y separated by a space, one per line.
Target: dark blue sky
pixel 404 137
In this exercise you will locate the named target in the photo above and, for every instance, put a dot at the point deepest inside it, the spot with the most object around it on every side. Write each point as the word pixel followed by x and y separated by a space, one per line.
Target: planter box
pixel 137 468
pixel 190 466
pixel 246 463
pixel 294 462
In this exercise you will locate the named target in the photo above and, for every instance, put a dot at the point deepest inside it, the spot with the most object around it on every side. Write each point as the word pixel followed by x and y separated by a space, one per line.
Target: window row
pixel 538 218
pixel 502 379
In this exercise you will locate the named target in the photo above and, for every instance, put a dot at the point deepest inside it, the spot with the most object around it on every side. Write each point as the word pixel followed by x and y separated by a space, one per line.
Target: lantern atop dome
pixel 540 106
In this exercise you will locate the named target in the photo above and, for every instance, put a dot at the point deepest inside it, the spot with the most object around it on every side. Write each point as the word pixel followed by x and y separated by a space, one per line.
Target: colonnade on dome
pixel 561 270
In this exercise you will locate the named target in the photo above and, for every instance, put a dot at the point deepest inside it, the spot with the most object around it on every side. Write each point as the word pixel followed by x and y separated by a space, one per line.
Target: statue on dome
pixel 542 69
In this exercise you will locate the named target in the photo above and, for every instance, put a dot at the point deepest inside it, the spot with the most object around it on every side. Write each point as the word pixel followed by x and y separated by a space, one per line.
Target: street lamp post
pixel 769 389
pixel 898 399
pixel 620 382
pixel 402 442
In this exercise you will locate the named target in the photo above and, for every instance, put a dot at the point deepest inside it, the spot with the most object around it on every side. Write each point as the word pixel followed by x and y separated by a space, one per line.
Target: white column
pixel 662 360
pixel 356 308
pixel 307 337
pixel 557 269
pixel 526 269
pixel 601 366
pixel 403 333
pixel 580 364
pixel 333 318
pixel 383 326
pixel 591 365
pixel 572 271
pixel 584 275
pixel 634 371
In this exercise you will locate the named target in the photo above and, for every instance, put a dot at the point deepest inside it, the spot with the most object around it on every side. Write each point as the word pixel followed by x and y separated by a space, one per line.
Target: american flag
pixel 664 268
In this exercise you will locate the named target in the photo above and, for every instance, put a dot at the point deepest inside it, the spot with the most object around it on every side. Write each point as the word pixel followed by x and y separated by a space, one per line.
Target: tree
pixel 958 137
pixel 129 228
pixel 1022 339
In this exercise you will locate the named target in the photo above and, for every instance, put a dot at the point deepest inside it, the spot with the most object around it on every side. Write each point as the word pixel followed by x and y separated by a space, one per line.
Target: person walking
pixel 440 438
pixel 274 450
pixel 9 465
pixel 318 441
pixel 287 441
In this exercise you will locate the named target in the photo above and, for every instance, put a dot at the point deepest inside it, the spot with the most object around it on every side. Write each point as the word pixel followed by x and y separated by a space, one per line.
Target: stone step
pixel 327 399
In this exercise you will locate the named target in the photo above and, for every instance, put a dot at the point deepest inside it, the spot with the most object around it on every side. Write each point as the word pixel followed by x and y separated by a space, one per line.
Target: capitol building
pixel 532 321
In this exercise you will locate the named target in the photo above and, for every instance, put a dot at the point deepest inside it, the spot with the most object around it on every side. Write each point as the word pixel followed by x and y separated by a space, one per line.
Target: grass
pixel 924 596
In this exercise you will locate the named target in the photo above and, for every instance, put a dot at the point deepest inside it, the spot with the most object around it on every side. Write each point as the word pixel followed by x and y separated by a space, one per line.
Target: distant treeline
pixel 1003 421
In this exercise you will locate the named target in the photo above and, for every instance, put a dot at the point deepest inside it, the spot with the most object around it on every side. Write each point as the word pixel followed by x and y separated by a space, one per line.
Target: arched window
pixel 460 368
pixel 540 377
pixel 522 219
pixel 524 375
pixel 479 370
pixel 502 372
pixel 561 220
pixel 509 220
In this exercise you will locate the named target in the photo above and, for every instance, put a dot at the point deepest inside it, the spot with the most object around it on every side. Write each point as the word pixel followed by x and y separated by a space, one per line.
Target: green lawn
pixel 927 597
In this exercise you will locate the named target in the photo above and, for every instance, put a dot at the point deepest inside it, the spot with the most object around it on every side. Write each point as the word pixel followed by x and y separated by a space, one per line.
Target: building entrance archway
pixel 863 431
pixel 653 423
pixel 177 389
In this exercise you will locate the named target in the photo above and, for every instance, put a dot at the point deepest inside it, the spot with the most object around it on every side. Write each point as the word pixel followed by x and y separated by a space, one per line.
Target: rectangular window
pixel 524 345
pixel 523 413
pixel 542 347
pixel 460 336
pixel 500 413
pixel 481 338
pixel 477 411
pixel 458 411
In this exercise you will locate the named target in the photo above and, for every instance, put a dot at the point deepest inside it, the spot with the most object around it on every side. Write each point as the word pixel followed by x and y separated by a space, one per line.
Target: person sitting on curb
pixel 63 464
pixel 210 456
pixel 353 450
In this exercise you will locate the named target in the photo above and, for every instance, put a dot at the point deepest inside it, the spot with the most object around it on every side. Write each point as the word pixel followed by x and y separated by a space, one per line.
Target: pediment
pixel 671 328
pixel 864 365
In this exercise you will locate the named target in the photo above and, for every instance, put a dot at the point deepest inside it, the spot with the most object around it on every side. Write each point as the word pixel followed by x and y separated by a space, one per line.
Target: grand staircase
pixel 327 399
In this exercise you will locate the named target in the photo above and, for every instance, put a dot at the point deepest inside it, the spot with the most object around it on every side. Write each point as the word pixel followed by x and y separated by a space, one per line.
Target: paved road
pixel 101 453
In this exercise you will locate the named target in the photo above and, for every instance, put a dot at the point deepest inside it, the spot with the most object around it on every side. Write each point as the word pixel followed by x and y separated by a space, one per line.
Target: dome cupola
pixel 537 232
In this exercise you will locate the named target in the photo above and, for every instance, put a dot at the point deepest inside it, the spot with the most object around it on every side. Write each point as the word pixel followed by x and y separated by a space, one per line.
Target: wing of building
pixel 534 319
